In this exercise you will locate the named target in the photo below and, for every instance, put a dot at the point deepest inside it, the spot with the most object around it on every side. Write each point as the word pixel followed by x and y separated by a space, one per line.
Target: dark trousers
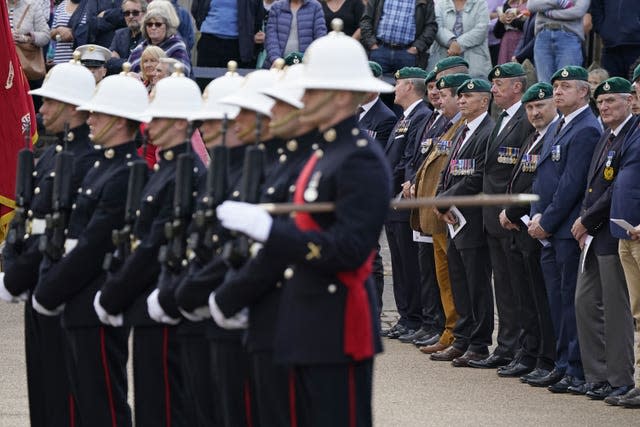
pixel 432 313
pixel 507 272
pixel 157 377
pixel 560 262
pixel 538 342
pixel 470 274
pixel 50 398
pixel 406 273
pixel 271 390
pixel 333 395
pixel 229 368
pixel 378 277
pixel 199 386
pixel 216 52
pixel 619 60
pixel 97 368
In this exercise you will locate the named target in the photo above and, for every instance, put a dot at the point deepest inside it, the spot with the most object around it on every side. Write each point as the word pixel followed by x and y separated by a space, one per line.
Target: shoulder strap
pixel 23 15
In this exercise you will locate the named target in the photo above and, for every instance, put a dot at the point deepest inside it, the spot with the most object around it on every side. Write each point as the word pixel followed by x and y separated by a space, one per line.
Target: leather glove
pixel 246 218
pixel 44 311
pixel 106 318
pixel 240 320
pixel 7 296
pixel 156 312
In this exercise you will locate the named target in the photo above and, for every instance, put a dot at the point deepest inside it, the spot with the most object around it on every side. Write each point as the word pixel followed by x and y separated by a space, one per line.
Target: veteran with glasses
pixel 126 39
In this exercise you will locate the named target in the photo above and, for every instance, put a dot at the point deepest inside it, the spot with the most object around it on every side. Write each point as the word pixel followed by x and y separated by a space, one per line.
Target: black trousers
pixel 97 368
pixel 406 273
pixel 271 384
pixel 378 277
pixel 507 275
pixel 432 312
pixel 200 389
pixel 230 371
pixel 334 395
pixel 50 398
pixel 470 275
pixel 157 378
pixel 216 52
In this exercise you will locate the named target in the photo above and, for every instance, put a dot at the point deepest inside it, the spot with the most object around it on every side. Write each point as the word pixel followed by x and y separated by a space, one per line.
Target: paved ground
pixel 409 389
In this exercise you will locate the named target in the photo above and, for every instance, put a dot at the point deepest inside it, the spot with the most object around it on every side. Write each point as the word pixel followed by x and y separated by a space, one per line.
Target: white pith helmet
pixel 175 97
pixel 286 88
pixel 339 62
pixel 212 108
pixel 248 95
pixel 71 83
pixel 121 96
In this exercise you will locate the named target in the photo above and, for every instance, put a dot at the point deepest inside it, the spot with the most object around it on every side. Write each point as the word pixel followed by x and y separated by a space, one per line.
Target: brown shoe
pixel 463 361
pixel 446 355
pixel 434 348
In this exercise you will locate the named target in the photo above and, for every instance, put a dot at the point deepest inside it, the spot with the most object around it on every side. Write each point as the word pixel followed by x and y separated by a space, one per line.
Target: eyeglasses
pixel 127 13
pixel 154 24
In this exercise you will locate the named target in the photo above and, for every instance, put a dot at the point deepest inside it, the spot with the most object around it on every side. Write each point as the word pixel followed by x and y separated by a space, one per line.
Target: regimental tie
pixel 496 128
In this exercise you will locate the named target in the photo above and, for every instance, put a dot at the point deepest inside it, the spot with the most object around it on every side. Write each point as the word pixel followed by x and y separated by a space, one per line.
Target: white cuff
pixel 7 296
pixel 156 312
pixel 106 318
pixel 240 320
pixel 45 312
pixel 197 315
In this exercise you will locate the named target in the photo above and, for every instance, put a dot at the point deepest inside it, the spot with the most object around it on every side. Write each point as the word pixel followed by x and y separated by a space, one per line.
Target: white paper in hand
pixel 622 223
pixel 526 219
pixel 454 229
pixel 585 249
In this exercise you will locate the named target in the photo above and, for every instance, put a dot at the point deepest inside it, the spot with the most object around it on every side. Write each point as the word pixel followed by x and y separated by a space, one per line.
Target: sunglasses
pixel 132 12
pixel 154 24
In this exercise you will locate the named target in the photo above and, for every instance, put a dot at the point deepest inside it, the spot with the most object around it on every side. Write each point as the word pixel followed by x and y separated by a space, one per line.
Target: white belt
pixel 69 245
pixel 38 226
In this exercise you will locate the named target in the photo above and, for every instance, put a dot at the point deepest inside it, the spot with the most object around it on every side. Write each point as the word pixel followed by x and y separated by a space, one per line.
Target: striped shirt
pixel 397 24
pixel 64 50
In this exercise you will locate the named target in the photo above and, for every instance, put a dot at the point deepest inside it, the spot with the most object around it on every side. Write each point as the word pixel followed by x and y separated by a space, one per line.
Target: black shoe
pixel 584 388
pixel 427 340
pixel 515 370
pixel 385 332
pixel 631 399
pixel 617 399
pixel 398 331
pixel 563 385
pixel 608 391
pixel 535 374
pixel 551 378
pixel 410 337
pixel 491 362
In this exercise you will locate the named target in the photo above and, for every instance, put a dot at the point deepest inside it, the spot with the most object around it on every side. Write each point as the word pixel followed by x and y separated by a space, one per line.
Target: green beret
pixel 504 71
pixel 293 58
pixel 411 73
pixel 474 85
pixel 636 73
pixel 431 77
pixel 450 62
pixel 613 85
pixel 452 80
pixel 538 92
pixel 570 72
pixel 376 69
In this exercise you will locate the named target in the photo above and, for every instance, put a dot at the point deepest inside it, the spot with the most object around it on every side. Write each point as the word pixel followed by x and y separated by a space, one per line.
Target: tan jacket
pixel 427 178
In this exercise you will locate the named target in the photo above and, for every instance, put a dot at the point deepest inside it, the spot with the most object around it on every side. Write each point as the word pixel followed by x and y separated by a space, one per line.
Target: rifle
pixel 18 231
pixel 52 242
pixel 201 242
pixel 122 238
pixel 237 251
pixel 173 254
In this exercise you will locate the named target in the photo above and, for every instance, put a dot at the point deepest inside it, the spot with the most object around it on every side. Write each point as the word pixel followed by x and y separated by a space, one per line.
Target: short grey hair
pixel 164 10
pixel 143 4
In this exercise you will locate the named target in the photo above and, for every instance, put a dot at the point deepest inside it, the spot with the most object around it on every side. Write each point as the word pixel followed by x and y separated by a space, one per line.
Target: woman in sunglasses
pixel 160 28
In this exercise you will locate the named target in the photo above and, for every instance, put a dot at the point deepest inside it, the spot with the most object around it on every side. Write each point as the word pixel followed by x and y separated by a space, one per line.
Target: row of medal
pixel 442 147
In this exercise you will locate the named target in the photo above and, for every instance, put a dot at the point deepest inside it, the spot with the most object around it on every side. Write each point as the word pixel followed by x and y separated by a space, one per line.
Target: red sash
pixel 358 334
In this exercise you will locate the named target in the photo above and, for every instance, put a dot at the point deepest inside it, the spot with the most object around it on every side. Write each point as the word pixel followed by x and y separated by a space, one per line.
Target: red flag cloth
pixel 18 115
pixel 358 331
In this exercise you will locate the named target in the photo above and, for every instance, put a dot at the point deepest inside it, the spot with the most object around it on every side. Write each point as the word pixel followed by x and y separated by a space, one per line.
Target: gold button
pixel 292 145
pixel 590 190
pixel 156 167
pixel 149 199
pixel 271 190
pixel 280 151
pixel 128 156
pixel 88 192
pixel 96 164
pixel 355 131
pixel 36 190
pixel 332 288
pixel 288 273
pixel 235 193
pixel 292 188
pixel 168 155
pixel 109 153
pixel 278 284
pixel 314 147
pixel 330 135
pixel 52 174
pixel 70 136
pixel 362 142
pixel 215 238
pixel 34 173
pixel 283 158
pixel 319 153
pixel 58 148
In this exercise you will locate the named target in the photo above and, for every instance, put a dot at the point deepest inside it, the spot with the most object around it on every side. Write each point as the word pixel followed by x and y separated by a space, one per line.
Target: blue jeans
pixel 554 50
pixel 391 60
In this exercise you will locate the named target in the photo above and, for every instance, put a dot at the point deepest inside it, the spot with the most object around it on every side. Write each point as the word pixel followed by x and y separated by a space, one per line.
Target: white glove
pixel 246 218
pixel 45 312
pixel 156 312
pixel 7 296
pixel 106 318
pixel 240 320
pixel 197 315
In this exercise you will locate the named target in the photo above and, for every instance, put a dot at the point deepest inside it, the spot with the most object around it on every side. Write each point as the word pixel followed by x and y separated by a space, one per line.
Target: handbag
pixel 31 57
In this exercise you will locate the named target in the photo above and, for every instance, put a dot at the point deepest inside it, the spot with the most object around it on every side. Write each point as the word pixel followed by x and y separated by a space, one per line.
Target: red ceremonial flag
pixel 16 115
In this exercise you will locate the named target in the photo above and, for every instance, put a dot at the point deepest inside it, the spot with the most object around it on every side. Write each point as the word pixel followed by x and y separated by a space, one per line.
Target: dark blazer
pixel 379 119
pixel 472 235
pixel 401 141
pixel 625 197
pixel 561 183
pixel 437 127
pixel 597 199
pixel 496 174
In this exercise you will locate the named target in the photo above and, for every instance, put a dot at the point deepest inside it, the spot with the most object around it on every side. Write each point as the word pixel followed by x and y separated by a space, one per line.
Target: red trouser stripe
pixel 165 369
pixel 292 398
pixel 72 411
pixel 247 403
pixel 352 396
pixel 107 378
